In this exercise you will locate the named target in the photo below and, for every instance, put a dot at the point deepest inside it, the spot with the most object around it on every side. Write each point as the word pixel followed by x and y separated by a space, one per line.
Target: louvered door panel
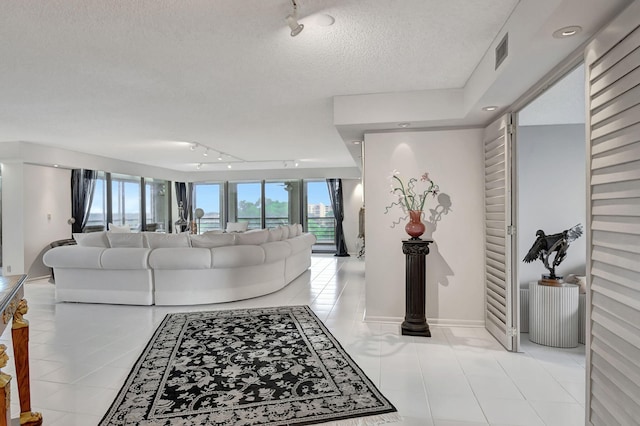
pixel 497 160
pixel 613 299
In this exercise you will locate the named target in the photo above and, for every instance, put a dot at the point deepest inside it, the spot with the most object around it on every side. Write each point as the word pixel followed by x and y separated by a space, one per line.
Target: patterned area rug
pixel 266 366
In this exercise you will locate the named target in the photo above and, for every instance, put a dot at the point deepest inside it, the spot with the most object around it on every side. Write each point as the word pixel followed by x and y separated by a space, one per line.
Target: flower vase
pixel 415 227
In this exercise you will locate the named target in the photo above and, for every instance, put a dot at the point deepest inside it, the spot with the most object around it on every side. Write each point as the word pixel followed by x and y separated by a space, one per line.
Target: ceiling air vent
pixel 502 50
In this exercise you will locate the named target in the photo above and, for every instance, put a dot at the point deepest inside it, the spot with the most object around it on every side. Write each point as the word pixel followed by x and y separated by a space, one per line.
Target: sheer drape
pixel 184 193
pixel 337 204
pixel 83 182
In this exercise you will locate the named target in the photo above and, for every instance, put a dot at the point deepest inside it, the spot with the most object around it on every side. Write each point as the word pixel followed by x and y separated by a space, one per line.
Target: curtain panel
pixel 83 183
pixel 184 194
pixel 337 204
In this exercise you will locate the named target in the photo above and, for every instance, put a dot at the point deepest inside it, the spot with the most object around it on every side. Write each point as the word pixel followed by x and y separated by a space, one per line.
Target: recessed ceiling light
pixel 404 125
pixel 229 166
pixel 324 20
pixel 356 142
pixel 567 31
pixel 296 164
pixel 490 108
pixel 55 165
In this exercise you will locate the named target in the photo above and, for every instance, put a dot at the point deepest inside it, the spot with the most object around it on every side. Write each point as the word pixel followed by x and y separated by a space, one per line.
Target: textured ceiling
pixel 137 79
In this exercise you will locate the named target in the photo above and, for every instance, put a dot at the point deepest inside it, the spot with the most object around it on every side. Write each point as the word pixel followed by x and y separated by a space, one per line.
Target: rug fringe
pixel 367 421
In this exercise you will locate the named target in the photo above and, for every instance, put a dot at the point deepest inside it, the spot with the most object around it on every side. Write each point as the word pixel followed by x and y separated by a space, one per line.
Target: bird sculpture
pixel 545 245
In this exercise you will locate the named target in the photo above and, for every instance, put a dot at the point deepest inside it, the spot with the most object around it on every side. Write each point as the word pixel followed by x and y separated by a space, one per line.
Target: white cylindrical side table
pixel 553 315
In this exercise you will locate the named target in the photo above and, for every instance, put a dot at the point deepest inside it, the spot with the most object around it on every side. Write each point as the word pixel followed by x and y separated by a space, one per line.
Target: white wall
pixel 47 191
pixel 455 268
pixel 29 194
pixel 552 192
pixel 352 197
pixel 12 219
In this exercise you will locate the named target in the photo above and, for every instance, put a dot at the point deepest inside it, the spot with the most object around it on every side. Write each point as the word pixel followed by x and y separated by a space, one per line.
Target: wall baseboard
pixel 30 278
pixel 440 322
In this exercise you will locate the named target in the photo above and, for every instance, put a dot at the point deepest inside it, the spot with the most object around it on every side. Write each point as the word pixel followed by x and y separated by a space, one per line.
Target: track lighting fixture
pixel 292 20
pixel 199 166
pixel 206 152
pixel 193 146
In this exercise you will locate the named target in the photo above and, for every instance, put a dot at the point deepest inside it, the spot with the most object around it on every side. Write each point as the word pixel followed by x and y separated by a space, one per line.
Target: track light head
pixel 193 146
pixel 206 152
pixel 292 20
pixel 296 27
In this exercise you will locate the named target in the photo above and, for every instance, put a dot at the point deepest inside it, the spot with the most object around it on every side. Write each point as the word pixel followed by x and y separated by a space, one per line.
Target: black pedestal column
pixel 415 320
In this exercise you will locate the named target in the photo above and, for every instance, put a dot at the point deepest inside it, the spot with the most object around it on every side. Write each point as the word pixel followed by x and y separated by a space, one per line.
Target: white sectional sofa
pixel 178 269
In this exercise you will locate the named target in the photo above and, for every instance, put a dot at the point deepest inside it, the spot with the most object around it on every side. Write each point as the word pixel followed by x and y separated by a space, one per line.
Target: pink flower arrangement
pixel 412 194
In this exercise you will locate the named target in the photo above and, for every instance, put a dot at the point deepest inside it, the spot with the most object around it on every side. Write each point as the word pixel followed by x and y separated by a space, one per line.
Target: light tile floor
pixel 81 354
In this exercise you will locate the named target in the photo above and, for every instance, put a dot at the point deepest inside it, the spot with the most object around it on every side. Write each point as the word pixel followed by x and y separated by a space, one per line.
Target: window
pixel 125 201
pixel 281 203
pixel 208 197
pixel 319 216
pixel 97 220
pixel 156 205
pixel 245 203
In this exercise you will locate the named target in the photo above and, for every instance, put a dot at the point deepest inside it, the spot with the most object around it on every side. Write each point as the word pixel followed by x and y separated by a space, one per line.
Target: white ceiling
pixel 139 80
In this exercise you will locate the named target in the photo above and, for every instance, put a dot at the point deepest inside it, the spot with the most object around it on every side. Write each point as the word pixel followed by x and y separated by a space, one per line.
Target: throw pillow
pixel 213 232
pixel 207 240
pixel 293 231
pixel 116 228
pixel 158 240
pixel 237 226
pixel 300 230
pixel 256 237
pixel 275 234
pixel 92 239
pixel 285 231
pixel 125 239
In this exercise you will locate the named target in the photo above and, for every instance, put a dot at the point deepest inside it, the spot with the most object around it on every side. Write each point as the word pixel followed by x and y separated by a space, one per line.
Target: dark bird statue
pixel 545 245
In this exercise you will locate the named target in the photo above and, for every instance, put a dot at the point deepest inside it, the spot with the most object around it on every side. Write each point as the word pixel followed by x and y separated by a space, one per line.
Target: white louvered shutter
pixel 613 263
pixel 499 308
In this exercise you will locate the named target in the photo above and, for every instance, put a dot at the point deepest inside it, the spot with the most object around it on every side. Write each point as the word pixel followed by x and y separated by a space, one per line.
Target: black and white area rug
pixel 265 366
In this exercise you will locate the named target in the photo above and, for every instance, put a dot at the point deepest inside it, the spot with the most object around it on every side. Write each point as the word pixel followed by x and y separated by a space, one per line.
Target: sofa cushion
pixel 115 228
pixel 123 239
pixel 91 239
pixel 207 240
pixel 285 231
pixel 293 231
pixel 276 250
pixel 213 232
pixel 74 257
pixel 302 242
pixel 300 230
pixel 158 240
pixel 180 259
pixel 256 237
pixel 275 234
pixel 125 258
pixel 237 256
pixel 237 226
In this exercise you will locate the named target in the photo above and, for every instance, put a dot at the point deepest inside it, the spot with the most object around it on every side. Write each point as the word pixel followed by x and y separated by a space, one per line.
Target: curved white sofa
pixel 170 271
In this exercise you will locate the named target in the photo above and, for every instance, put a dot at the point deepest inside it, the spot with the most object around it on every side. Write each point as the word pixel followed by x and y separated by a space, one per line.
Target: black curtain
pixel 184 193
pixel 337 204
pixel 83 183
